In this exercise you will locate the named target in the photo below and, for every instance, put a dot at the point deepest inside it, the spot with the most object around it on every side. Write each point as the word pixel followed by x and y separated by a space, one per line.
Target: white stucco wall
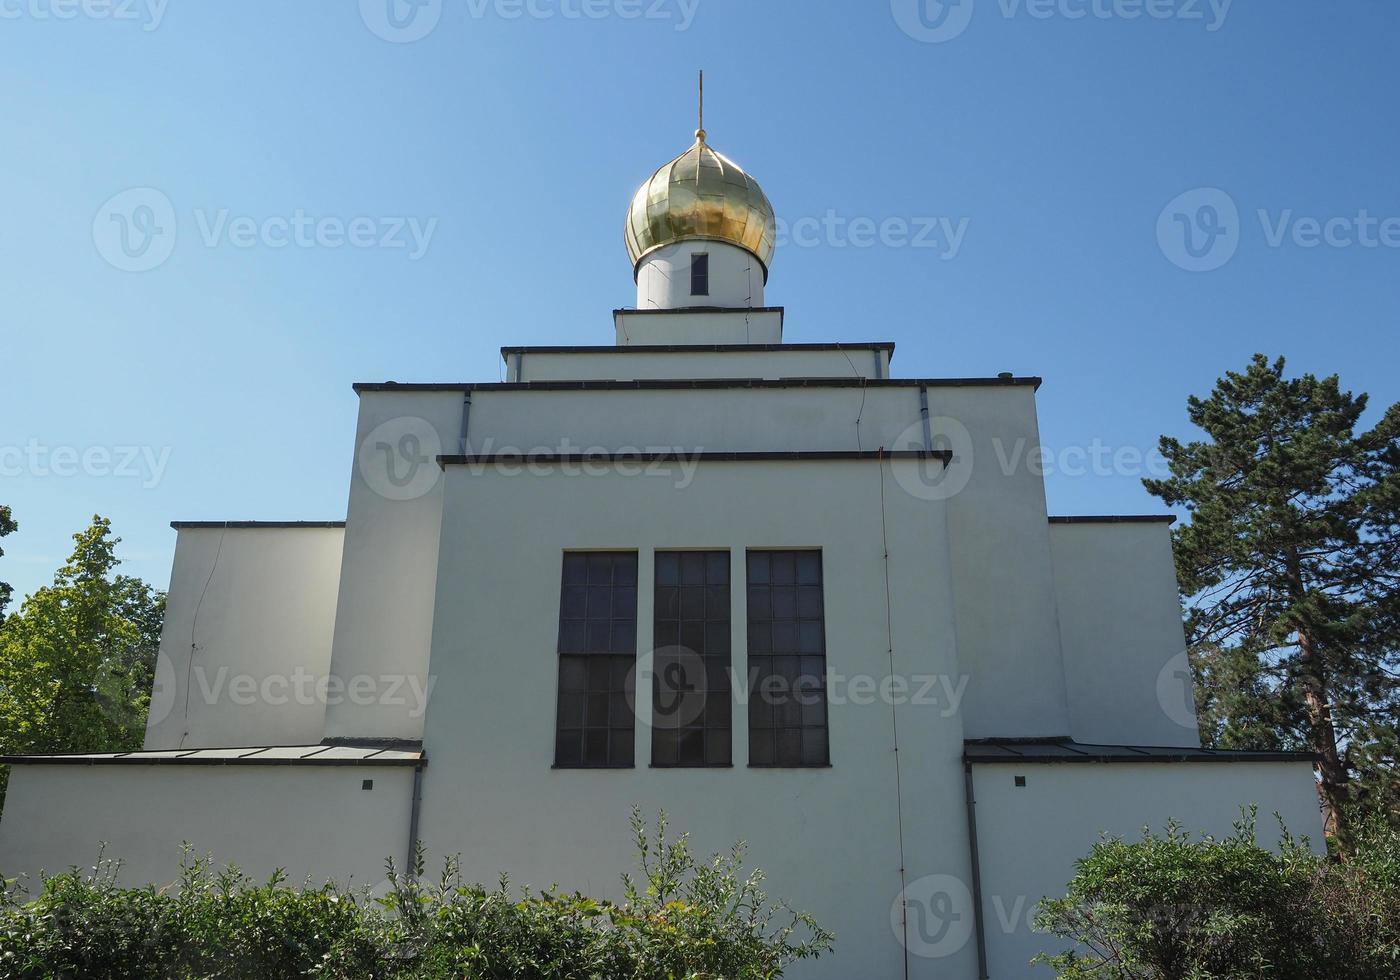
pixel 247 635
pixel 1030 837
pixel 384 615
pixel 607 363
pixel 1120 624
pixel 1004 585
pixel 736 277
pixel 827 837
pixel 649 327
pixel 309 820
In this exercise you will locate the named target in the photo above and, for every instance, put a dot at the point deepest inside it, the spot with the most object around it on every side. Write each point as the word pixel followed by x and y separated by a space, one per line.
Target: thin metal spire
pixel 700 133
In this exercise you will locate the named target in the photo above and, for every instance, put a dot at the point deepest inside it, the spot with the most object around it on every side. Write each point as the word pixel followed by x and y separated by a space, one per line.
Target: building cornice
pixel 798 456
pixel 240 525
pixel 1118 519
pixel 1048 751
pixel 702 383
pixel 508 352
pixel 710 310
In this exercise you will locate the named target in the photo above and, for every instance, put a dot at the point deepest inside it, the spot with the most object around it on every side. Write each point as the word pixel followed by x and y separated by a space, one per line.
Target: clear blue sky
pixel 1059 139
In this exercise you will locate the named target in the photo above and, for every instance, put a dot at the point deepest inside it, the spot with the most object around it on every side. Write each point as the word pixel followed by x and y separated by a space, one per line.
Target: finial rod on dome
pixel 700 133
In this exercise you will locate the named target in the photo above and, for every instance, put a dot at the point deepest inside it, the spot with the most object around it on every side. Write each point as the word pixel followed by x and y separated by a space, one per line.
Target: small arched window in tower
pixel 700 274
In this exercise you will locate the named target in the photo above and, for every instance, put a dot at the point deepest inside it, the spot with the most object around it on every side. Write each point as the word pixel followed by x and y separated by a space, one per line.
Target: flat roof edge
pixel 23 760
pixel 1118 519
pixel 385 755
pixel 700 384
pixel 797 456
pixel 681 311
pixel 1050 751
pixel 239 525
pixel 1217 758
pixel 507 352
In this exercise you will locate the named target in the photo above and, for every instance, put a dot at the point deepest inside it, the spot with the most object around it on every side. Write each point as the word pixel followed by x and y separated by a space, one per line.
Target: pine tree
pixel 1290 565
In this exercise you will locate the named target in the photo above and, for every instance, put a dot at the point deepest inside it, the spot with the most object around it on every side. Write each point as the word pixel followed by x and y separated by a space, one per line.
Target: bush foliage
pixel 681 919
pixel 1173 908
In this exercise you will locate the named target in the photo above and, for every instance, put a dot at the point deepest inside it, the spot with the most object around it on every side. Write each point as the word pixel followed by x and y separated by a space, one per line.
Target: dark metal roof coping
pixel 701 383
pixel 944 455
pixel 178 525
pixel 507 352
pixel 1118 519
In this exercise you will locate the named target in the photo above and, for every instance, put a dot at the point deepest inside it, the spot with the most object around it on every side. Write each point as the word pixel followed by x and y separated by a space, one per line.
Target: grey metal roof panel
pixel 278 755
pixel 1059 750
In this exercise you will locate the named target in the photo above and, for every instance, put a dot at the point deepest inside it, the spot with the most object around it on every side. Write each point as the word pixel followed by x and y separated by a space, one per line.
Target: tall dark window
pixel 597 654
pixel 787 660
pixel 692 703
pixel 700 275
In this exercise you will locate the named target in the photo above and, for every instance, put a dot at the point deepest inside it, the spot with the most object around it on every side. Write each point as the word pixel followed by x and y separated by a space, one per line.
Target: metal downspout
pixel 923 414
pixel 976 873
pixel 416 808
pixel 466 418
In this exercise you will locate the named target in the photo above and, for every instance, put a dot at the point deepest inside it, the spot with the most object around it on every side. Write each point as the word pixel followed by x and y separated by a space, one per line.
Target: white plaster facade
pixel 430 624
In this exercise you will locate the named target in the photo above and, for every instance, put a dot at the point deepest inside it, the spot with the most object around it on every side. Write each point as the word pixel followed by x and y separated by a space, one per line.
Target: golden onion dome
pixel 701 195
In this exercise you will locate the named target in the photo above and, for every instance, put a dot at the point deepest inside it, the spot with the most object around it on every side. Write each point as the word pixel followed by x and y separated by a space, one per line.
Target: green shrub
pixel 683 920
pixel 1172 908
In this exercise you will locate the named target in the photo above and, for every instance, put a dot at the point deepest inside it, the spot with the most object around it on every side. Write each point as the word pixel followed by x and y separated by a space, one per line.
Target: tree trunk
pixel 1333 789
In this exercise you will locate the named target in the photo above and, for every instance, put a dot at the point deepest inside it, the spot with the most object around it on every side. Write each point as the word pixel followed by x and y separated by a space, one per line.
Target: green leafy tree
pixel 1170 907
pixel 1290 565
pixel 7 526
pixel 77 660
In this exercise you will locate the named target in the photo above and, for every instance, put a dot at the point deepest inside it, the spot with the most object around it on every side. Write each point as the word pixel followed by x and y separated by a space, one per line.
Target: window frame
pixel 615 661
pixel 764 658
pixel 695 586
pixel 700 273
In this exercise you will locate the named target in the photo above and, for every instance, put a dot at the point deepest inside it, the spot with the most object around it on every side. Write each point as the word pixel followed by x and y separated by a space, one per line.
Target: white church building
pixel 770 588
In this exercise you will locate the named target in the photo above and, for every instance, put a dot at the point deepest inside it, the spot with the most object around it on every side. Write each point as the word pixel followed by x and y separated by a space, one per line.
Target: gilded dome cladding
pixel 701 195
